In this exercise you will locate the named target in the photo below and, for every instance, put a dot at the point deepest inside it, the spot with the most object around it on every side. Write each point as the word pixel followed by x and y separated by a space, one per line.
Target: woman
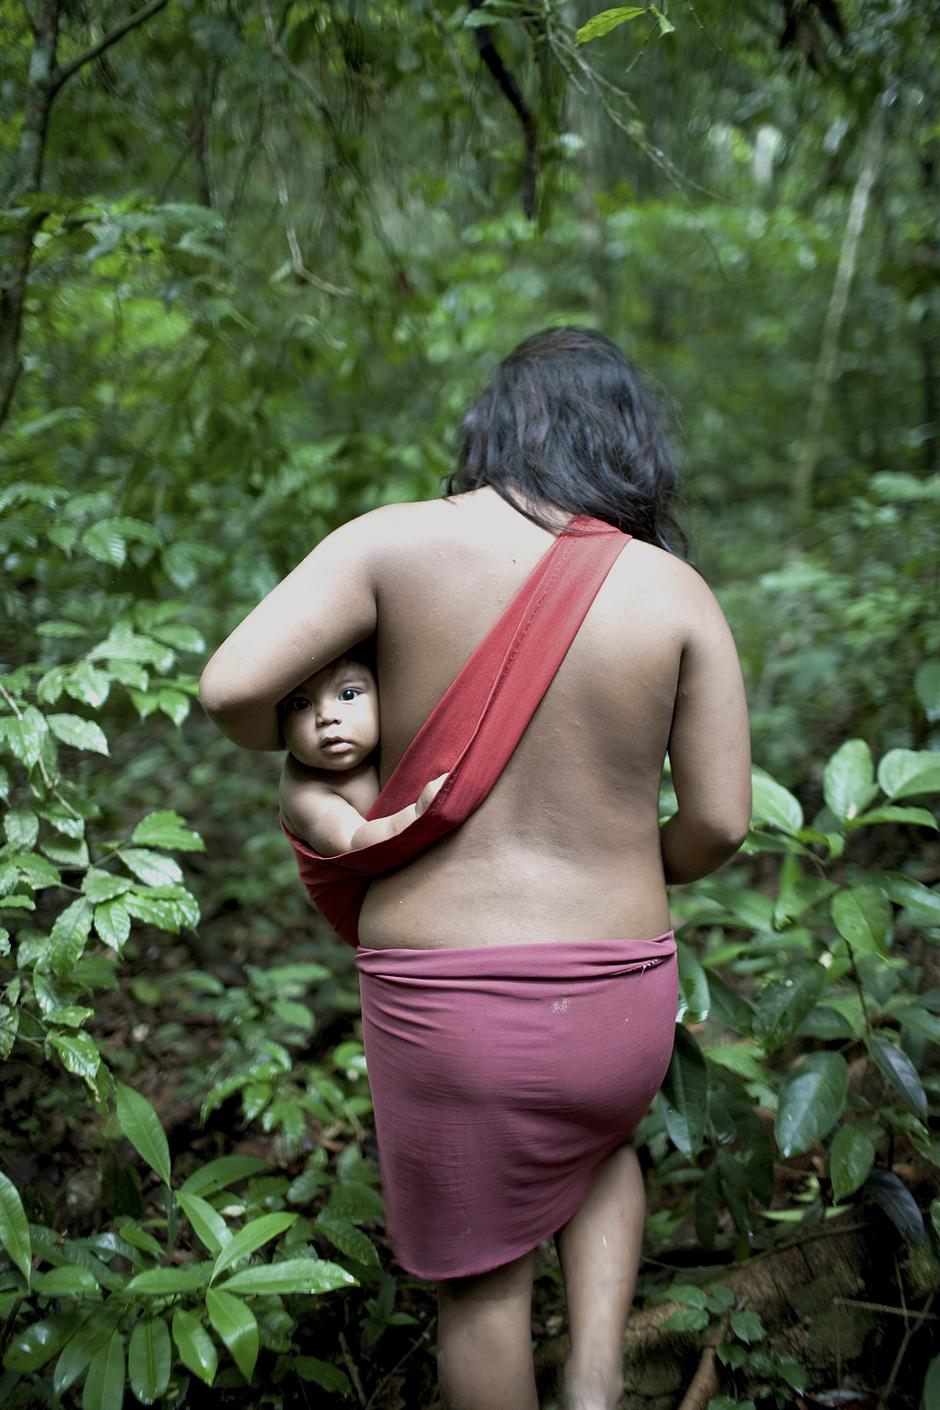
pixel 564 852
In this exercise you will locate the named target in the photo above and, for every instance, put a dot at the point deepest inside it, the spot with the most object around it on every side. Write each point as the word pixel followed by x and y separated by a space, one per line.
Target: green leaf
pixel 884 1187
pixel 87 684
pixel 694 1000
pixel 812 1099
pixel 78 1052
pixel 151 867
pixel 599 25
pixel 293 1275
pixel 33 1346
pixel 903 772
pixel 911 817
pixel 174 704
pixel 21 827
pixel 196 1347
pixel 255 1233
pixel 141 1125
pixel 167 829
pixel 100 885
pixel 67 1282
pixel 927 688
pixel 685 1095
pixel 849 779
pixel 687 1319
pixel 235 1323
pixel 899 1072
pixel 80 1348
pixel 774 804
pixel 104 542
pixel 221 1173
pixel 914 895
pixel 69 934
pixel 665 26
pixel 918 1020
pixel 14 1227
pixel 161 1282
pixel 747 1326
pixel 104 1384
pixel 862 916
pixel 742 1058
pixel 322 1373
pixel 79 733
pixel 930 1399
pixel 149 1359
pixel 851 1157
pixel 347 1238
pixel 784 1004
pixel 207 1222
pixel 112 924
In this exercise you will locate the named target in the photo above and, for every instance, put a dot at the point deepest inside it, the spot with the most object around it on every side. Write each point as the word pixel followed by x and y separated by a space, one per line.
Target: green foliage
pixel 826 960
pixel 106 1326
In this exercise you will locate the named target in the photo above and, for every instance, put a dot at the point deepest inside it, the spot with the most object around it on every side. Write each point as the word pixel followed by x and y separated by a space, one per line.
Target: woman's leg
pixel 600 1251
pixel 484 1331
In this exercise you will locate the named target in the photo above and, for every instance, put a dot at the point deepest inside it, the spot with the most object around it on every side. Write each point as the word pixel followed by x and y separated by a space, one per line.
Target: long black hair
pixel 568 421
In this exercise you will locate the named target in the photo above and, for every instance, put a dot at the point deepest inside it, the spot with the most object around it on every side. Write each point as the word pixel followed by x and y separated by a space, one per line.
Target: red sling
pixel 475 726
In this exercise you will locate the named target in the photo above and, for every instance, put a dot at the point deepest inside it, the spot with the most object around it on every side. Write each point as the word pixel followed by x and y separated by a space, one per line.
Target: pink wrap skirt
pixel 502 1076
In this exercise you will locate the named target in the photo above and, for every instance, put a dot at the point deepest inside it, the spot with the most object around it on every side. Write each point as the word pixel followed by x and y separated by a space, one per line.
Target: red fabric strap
pixel 475 726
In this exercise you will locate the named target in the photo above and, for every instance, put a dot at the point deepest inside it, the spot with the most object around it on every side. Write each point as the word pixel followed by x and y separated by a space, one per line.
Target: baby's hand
pixel 428 794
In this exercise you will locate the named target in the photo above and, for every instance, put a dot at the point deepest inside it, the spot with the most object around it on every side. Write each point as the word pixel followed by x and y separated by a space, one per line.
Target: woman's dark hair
pixel 568 420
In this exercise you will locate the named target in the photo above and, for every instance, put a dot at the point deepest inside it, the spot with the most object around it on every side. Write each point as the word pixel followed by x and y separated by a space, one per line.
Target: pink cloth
pixel 502 1076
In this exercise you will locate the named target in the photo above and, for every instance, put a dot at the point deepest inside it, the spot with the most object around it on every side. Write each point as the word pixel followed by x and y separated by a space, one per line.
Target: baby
pixel 330 725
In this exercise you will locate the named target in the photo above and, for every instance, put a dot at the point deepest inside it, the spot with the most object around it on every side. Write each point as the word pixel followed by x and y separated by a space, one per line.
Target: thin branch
pixel 60 76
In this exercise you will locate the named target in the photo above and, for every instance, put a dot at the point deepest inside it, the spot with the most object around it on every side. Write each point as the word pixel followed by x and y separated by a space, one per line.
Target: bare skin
pixel 329 779
pixel 571 827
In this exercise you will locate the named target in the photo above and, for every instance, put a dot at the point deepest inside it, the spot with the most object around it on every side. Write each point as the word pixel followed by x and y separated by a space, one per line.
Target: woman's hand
pixel 427 795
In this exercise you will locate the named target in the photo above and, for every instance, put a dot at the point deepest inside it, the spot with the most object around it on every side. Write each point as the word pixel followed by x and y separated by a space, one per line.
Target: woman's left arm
pixel 317 612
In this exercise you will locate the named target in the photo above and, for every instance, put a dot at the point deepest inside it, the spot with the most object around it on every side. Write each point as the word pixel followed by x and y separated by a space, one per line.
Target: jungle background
pixel 256 260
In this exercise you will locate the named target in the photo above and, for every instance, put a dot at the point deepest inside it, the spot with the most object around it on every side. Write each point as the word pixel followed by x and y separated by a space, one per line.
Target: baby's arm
pixel 316 813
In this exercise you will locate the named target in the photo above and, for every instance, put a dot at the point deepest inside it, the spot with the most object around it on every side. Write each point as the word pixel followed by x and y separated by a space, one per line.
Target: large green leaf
pixel 685 1095
pixel 196 1347
pixel 851 1157
pixel 849 779
pixel 237 1326
pixel 31 1347
pixel 149 1359
pixel 862 915
pixel 812 1099
pixel 293 1275
pixel 208 1223
pixel 104 1383
pixel 14 1227
pixel 884 1187
pixel 773 803
pixel 219 1174
pixel 160 1282
pixel 346 1237
pixel 166 829
pixel 899 1072
pixel 255 1233
pixel 784 1004
pixel 694 1002
pixel 905 772
pixel 141 1125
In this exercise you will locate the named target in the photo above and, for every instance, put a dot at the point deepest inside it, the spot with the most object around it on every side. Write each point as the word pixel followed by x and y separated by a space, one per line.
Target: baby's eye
pixel 349 692
pixel 298 702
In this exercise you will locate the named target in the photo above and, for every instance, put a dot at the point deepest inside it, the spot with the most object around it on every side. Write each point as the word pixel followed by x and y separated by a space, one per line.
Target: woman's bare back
pixel 567 845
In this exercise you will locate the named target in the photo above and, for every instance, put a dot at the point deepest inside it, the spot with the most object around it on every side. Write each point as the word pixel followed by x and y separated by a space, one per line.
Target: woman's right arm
pixel 709 746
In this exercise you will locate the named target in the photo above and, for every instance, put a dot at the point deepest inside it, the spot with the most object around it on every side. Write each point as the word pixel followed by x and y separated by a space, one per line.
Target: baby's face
pixel 331 721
